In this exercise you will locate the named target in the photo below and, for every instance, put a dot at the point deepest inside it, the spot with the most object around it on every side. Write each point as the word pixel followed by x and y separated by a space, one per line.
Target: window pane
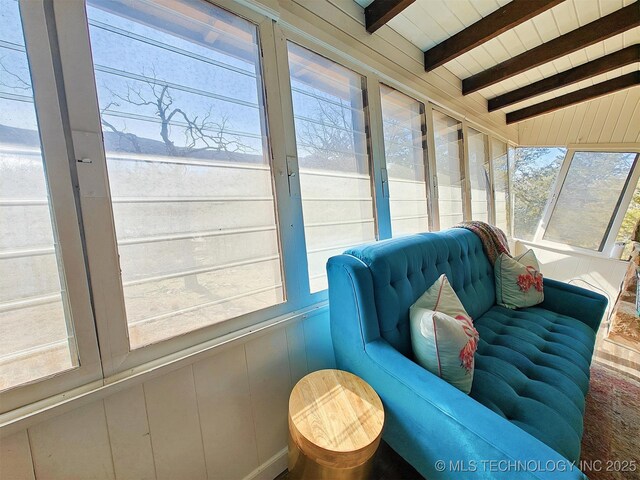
pixel 500 164
pixel 36 337
pixel 479 175
pixel 328 108
pixel 448 136
pixel 589 198
pixel 534 174
pixel 627 232
pixel 181 103
pixel 404 150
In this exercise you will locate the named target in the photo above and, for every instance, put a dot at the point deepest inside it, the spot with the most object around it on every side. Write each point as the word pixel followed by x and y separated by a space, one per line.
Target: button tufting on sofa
pixel 531 366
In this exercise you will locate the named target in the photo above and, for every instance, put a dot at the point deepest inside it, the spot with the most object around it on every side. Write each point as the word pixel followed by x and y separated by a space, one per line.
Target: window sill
pixel 567 250
pixel 29 415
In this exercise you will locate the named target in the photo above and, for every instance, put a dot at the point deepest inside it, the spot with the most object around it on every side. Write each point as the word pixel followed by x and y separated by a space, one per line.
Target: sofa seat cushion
pixel 532 368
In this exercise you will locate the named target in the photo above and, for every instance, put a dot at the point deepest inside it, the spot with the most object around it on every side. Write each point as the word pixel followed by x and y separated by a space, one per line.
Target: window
pixel 182 111
pixel 405 153
pixel 502 202
pixel 479 175
pixel 47 341
pixel 627 232
pixel 534 175
pixel 448 139
pixel 589 198
pixel 36 336
pixel 333 158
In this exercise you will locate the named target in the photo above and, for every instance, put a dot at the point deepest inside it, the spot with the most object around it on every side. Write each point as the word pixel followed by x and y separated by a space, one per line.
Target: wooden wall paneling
pixel 297 351
pixel 633 128
pixel 319 347
pixel 556 125
pixel 270 385
pixel 625 115
pixel 73 446
pixel 563 129
pixel 174 423
pixel 617 101
pixel 224 404
pixel 15 457
pixel 545 129
pixel 129 435
pixel 587 120
pixel 598 120
pixel 536 128
pixel 578 118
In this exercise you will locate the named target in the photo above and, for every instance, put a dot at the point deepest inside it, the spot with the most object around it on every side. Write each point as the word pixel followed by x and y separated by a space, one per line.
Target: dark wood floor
pixel 387 465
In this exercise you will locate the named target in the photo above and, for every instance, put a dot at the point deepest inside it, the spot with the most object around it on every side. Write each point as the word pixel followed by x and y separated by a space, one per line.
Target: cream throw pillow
pixel 443 338
pixel 519 282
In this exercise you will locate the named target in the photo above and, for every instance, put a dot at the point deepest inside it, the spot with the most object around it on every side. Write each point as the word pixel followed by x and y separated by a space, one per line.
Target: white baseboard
pixel 271 468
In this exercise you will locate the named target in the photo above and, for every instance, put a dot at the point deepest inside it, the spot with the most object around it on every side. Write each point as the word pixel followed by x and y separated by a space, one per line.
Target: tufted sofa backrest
pixel 402 269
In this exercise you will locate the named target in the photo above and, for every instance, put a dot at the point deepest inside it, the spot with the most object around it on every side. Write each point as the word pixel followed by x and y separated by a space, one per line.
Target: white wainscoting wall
pixel 223 417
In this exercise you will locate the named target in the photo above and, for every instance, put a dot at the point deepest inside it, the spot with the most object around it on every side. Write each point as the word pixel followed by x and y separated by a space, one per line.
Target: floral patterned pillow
pixel 518 281
pixel 443 338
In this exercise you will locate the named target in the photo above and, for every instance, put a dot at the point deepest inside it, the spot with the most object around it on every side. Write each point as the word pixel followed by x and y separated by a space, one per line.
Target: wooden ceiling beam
pixel 614 60
pixel 598 90
pixel 504 18
pixel 380 12
pixel 617 22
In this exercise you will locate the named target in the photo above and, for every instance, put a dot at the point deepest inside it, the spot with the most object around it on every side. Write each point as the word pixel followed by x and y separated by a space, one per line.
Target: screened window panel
pixel 500 166
pixel 405 154
pixel 589 198
pixel 36 333
pixel 479 175
pixel 189 168
pixel 448 140
pixel 333 158
pixel 534 174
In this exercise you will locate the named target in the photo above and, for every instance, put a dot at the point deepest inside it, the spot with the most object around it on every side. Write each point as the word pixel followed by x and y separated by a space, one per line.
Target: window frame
pixel 56 157
pixel 488 152
pixel 464 162
pixel 425 111
pixel 102 252
pixel 622 204
pixel 373 119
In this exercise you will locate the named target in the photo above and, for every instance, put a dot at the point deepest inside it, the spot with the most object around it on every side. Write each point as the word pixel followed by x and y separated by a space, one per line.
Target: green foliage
pixel 534 173
pixel 631 218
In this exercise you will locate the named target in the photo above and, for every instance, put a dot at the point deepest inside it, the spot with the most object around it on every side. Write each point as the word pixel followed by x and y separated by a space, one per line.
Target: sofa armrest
pixel 576 302
pixel 436 422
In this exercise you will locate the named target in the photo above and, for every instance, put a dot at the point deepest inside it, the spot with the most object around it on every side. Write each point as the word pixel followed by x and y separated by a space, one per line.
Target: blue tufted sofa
pixel 523 417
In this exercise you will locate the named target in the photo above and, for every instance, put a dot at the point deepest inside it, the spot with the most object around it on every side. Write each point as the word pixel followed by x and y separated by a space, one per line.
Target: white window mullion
pixel 84 119
pixel 431 173
pixel 466 177
pixel 491 187
pixel 380 176
pixel 285 161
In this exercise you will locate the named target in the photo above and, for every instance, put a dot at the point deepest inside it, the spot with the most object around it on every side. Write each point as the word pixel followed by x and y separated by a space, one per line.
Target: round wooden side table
pixel 335 426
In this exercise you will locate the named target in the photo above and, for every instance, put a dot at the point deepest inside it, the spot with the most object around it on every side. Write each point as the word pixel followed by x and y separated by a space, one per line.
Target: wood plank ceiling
pixel 526 57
